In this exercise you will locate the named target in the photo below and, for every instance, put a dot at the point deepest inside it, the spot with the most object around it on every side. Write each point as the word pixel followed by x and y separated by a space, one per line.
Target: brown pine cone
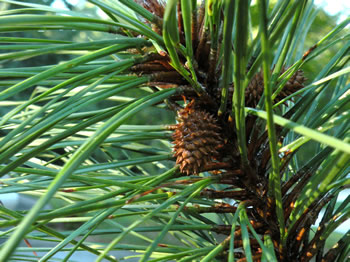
pixel 255 88
pixel 196 138
pixel 295 83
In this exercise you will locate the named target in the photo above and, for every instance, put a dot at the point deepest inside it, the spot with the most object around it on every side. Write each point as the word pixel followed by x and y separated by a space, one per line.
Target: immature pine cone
pixel 197 139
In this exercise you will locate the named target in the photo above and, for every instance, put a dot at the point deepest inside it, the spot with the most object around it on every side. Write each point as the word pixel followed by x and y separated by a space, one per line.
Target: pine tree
pixel 259 150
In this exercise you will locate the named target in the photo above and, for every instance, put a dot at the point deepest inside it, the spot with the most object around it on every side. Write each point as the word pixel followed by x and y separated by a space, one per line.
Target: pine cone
pixel 255 88
pixel 196 138
pixel 154 6
pixel 295 83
